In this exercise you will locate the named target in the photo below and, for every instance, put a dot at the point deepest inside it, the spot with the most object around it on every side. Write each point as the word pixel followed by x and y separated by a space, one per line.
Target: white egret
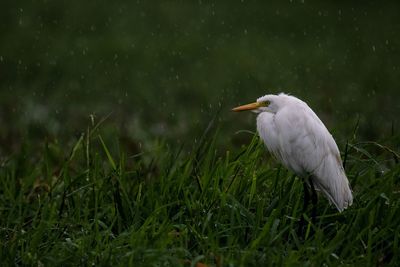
pixel 294 134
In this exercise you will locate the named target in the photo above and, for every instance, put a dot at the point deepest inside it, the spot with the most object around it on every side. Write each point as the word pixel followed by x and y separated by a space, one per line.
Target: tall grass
pixel 93 204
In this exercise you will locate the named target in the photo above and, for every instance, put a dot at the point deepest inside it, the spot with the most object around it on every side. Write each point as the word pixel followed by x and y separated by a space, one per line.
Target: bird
pixel 299 140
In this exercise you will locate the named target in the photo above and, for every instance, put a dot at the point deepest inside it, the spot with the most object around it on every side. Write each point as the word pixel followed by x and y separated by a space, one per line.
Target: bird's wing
pixel 301 136
pixel 307 147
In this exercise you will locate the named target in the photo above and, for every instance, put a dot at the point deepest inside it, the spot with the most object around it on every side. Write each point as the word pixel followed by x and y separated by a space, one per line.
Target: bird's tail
pixel 333 182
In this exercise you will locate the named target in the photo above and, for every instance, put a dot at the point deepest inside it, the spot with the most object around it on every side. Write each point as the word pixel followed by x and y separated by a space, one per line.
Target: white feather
pixel 294 134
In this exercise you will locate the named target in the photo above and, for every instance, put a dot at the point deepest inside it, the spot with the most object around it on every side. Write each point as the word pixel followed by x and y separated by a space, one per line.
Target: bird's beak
pixel 251 106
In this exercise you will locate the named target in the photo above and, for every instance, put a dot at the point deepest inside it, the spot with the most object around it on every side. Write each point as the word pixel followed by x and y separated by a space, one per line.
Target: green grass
pixel 92 203
pixel 147 189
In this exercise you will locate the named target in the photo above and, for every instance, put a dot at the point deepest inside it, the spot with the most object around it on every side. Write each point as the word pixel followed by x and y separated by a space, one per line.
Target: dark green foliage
pixel 149 189
pixel 161 68
pixel 164 207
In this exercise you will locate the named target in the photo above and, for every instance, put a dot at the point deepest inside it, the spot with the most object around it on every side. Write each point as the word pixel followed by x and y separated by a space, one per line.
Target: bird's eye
pixel 265 103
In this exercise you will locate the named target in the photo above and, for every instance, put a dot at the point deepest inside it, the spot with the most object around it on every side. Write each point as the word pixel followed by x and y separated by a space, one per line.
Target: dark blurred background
pixel 163 69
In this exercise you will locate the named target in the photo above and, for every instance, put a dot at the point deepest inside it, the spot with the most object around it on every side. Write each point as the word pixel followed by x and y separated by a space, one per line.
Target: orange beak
pixel 247 107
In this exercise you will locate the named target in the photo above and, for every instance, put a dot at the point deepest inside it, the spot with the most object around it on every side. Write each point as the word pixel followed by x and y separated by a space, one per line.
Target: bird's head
pixel 267 103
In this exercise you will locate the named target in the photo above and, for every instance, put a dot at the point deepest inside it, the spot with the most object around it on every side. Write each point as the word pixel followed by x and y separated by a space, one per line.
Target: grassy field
pixel 168 207
pixel 118 147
